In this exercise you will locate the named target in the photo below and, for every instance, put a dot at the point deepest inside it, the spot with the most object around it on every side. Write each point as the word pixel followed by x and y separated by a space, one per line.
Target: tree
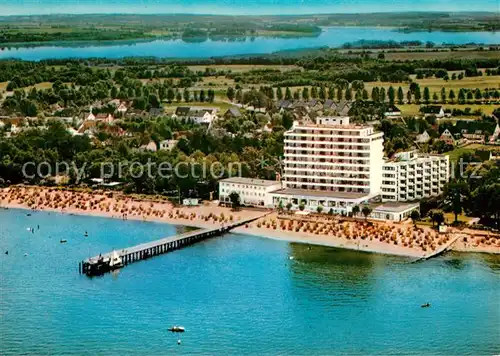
pixel 437 216
pixel 455 193
pixel 28 108
pixel 418 95
pixel 427 95
pixel 314 92
pixel 305 93
pixel 477 94
pixel 279 93
pixel 239 96
pixel 366 211
pixel 170 95
pixel 288 94
pixel 408 97
pixel 302 207
pixel 381 95
pixel 381 55
pixel 435 97
pixel 339 94
pixel 230 93
pixel 187 95
pixel 322 92
pixel 319 209
pixel 235 200
pixel 202 95
pixel 348 94
pixel 331 93
pixel 355 210
pixel 401 95
pixel 391 94
pixel 375 93
pixel 280 206
pixel 452 96
pixel 443 95
pixel 178 96
pixel 415 216
pixel 289 207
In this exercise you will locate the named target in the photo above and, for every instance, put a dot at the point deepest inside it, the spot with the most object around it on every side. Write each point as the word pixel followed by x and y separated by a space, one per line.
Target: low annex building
pixel 252 192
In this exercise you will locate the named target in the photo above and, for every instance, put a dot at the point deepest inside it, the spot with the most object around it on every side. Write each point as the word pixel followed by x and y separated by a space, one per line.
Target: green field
pixel 457 152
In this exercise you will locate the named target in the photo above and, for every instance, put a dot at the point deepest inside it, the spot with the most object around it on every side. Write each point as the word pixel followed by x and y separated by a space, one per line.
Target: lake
pixel 235 295
pixel 330 37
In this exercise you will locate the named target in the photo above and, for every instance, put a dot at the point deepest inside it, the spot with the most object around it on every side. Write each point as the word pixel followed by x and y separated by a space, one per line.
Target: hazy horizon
pixel 234 7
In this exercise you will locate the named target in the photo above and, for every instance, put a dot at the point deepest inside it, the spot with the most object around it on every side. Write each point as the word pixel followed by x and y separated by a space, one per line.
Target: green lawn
pixel 170 108
pixel 456 153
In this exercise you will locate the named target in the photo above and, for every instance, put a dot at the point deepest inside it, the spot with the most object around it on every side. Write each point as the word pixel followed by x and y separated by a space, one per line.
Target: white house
pixel 168 145
pixel 252 192
pixel 424 137
pixel 392 112
pixel 151 146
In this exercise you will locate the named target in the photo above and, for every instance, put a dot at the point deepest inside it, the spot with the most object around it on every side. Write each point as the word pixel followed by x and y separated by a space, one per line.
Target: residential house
pixel 496 135
pixel 151 146
pixel 122 109
pixel 424 137
pixel 105 117
pixel 168 145
pixel 200 115
pixel 340 108
pixel 392 112
pixel 447 137
pixel 476 137
pixel 155 112
pixel 232 113
pixel 433 110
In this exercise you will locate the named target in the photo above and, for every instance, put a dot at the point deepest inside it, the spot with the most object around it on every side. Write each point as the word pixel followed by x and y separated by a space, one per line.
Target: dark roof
pixel 431 109
pixel 283 104
pixel 321 193
pixel 393 108
pixel 182 110
pixel 328 104
pixel 233 112
pixel 156 111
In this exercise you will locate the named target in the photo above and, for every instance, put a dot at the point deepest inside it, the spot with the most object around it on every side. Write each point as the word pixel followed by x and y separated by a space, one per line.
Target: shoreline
pixel 356 235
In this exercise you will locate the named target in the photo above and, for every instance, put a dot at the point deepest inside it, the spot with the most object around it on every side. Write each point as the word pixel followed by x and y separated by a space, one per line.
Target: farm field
pixel 459 54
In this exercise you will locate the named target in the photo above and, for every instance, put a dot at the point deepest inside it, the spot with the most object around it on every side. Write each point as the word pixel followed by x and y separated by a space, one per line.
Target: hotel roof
pixel 321 193
pixel 251 181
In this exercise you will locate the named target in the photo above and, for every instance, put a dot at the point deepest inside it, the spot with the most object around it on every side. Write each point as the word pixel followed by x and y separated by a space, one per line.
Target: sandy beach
pixel 402 239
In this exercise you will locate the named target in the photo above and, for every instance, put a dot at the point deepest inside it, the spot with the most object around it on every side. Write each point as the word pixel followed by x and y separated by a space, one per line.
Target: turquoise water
pixel 235 295
pixel 330 37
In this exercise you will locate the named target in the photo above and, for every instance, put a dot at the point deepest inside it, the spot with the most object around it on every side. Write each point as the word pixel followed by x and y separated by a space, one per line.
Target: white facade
pixel 252 192
pixel 332 163
pixel 410 176
pixel 334 157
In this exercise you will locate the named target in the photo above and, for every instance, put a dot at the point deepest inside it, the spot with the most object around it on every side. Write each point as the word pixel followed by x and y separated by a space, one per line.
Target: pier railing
pixel 105 262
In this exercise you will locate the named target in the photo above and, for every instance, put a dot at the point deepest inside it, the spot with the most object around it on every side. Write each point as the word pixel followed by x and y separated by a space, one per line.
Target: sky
pixel 238 7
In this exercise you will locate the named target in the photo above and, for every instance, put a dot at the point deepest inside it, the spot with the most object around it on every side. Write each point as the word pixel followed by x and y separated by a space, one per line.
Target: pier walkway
pixel 106 262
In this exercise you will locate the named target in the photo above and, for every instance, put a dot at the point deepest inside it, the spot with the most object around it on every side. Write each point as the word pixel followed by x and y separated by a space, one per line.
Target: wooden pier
pixel 100 264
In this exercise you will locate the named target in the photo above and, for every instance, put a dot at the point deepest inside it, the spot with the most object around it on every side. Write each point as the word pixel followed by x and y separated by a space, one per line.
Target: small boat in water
pixel 426 305
pixel 176 329
pixel 63 241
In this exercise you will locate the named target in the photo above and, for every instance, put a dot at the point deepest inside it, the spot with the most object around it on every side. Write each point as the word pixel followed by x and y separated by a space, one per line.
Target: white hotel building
pixel 252 192
pixel 411 176
pixel 338 165
pixel 333 164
